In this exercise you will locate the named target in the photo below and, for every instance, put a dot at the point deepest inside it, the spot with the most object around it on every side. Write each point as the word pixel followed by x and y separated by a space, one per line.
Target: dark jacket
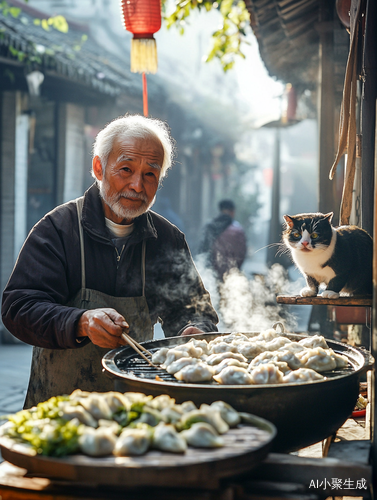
pixel 47 275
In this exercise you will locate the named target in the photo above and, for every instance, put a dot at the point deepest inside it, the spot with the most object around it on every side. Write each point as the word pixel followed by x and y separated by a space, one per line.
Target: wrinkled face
pixel 129 183
pixel 308 232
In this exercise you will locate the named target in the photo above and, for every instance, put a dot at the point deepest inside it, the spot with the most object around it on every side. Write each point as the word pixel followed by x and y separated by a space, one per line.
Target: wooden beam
pixel 326 105
pixel 359 301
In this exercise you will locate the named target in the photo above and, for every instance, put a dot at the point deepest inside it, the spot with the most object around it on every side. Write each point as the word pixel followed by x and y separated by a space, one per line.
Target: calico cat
pixel 339 257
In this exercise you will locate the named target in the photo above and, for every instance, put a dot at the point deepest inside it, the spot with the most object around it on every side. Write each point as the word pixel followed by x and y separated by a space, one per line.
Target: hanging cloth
pixel 347 126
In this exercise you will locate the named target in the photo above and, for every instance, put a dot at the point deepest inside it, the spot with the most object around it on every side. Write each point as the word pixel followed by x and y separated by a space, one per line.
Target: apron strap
pixel 79 204
pixel 143 265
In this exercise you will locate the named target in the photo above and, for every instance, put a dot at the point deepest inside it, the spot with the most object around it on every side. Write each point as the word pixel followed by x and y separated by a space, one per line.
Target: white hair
pixel 135 126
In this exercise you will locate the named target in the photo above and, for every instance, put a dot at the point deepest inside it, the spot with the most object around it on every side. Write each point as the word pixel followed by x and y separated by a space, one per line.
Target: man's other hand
pixel 103 326
pixel 191 330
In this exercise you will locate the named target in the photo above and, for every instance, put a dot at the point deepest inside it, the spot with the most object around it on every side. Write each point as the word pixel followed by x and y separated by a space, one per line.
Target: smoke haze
pixel 249 304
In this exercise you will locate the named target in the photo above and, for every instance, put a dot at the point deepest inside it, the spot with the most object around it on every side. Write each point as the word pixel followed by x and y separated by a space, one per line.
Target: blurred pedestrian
pixel 224 241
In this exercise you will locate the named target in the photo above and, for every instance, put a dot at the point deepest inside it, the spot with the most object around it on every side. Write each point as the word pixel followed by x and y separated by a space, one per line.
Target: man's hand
pixel 191 330
pixel 104 327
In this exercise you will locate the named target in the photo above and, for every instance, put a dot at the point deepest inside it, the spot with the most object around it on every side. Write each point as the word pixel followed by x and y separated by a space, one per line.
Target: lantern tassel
pixel 143 55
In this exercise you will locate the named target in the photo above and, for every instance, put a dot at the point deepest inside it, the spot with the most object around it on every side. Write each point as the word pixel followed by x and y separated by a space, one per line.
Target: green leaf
pixel 14 11
pixel 37 22
pixel 45 25
pixel 60 23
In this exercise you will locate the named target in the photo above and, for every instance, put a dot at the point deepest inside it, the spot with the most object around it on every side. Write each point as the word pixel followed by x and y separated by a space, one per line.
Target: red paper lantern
pixel 142 18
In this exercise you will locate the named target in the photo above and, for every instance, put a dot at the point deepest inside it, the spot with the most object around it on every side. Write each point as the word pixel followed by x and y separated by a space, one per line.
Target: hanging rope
pixel 347 126
pixel 145 95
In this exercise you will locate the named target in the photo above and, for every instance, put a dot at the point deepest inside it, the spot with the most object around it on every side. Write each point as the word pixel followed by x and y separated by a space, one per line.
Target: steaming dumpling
pixel 173 355
pixel 263 357
pixel 206 414
pixel 270 357
pixel 69 412
pixel 97 442
pixel 317 359
pixel 250 349
pixel 203 344
pixel 234 375
pixel 237 336
pixel 188 406
pixel 288 357
pixel 97 406
pixel 314 341
pixel 166 438
pixel 136 401
pixel 215 359
pixel 172 414
pixel 301 376
pixel 292 347
pixel 133 442
pixel 199 372
pixel 149 416
pixel 281 365
pixel 111 425
pixel 115 400
pixel 190 349
pixel 341 360
pixel 159 356
pixel 275 344
pixel 268 335
pixel 222 347
pixel 202 435
pixel 266 374
pixel 228 362
pixel 228 339
pixel 137 398
pixel 179 364
pixel 78 394
pixel 161 402
pixel 227 413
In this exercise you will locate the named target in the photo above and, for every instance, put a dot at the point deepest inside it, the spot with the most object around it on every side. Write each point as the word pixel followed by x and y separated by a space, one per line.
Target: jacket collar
pixel 93 219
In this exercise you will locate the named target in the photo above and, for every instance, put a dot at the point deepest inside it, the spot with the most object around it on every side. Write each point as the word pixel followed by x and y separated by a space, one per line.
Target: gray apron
pixel 60 371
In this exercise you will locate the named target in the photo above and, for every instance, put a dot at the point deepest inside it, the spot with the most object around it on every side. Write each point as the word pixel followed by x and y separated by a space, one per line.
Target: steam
pixel 249 305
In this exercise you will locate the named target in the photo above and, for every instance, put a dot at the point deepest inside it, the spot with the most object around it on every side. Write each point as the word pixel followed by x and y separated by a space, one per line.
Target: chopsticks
pixel 138 348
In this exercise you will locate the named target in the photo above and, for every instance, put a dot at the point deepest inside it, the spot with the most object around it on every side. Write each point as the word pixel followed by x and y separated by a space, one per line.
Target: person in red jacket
pixel 224 241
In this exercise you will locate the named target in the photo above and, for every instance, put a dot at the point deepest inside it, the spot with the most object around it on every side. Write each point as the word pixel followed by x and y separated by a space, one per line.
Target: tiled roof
pixel 53 50
pixel 287 35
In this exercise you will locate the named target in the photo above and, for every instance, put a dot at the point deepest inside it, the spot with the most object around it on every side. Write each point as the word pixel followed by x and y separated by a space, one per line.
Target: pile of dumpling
pixel 265 358
pixel 112 423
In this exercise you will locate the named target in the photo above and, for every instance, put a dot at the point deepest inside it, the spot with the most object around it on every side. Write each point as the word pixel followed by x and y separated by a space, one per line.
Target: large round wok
pixel 303 413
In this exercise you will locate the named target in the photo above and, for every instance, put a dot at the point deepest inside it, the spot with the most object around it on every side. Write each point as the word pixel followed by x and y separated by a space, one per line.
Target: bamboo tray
pixel 245 447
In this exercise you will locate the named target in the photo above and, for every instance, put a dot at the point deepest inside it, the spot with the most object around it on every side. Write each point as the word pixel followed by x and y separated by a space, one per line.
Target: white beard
pixel 113 202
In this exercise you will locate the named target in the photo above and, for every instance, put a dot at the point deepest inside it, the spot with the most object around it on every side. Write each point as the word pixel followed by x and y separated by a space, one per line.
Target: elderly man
pixel 104 264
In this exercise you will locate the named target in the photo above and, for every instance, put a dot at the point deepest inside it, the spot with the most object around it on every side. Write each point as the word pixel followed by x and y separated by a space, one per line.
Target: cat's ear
pixel 329 216
pixel 288 221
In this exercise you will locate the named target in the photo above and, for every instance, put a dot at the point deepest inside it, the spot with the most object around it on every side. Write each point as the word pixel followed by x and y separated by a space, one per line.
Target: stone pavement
pixel 15 362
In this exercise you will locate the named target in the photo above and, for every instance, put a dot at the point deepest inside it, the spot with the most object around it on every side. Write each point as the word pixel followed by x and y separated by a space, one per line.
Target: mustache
pixel 128 194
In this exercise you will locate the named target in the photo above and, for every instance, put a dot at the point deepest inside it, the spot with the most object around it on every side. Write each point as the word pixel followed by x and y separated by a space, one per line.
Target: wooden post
pixel 274 235
pixel 326 104
pixel 368 115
